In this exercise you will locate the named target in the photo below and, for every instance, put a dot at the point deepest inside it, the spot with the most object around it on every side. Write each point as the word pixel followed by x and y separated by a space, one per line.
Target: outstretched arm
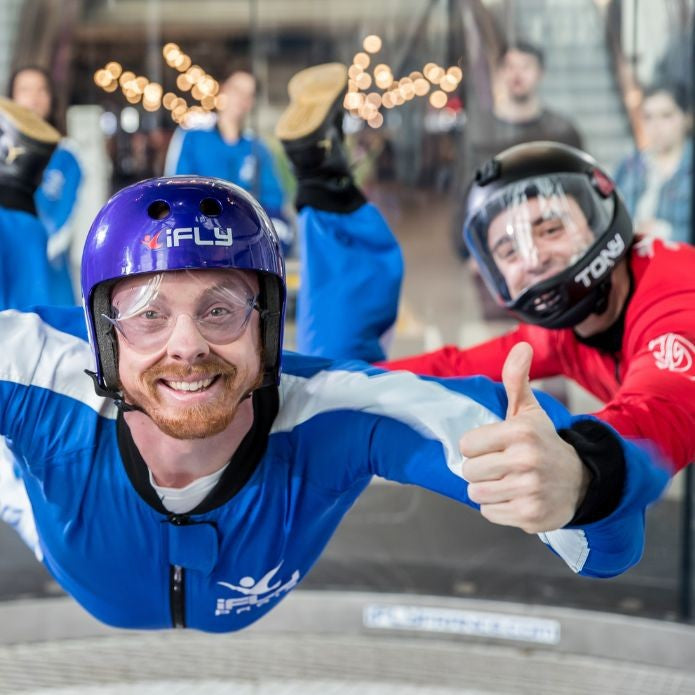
pixel 655 399
pixel 485 358
pixel 571 479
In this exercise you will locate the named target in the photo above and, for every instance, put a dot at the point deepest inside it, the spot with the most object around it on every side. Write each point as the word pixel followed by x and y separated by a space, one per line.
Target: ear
pixel 105 336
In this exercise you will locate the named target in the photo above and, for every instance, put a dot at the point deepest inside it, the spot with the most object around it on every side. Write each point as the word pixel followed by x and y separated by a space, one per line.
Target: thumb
pixel 515 377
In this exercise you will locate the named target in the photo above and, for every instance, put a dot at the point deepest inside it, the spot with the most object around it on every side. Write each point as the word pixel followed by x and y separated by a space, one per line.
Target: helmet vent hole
pixel 158 210
pixel 210 207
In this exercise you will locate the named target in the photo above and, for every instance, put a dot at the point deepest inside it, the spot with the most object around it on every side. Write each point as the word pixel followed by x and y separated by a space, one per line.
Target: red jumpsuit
pixel 648 387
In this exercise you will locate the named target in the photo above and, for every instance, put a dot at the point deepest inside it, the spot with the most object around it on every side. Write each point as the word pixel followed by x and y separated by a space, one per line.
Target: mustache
pixel 207 367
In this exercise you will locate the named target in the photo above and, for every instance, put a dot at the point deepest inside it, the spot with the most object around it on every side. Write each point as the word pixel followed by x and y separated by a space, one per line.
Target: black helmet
pixel 546 226
pixel 26 145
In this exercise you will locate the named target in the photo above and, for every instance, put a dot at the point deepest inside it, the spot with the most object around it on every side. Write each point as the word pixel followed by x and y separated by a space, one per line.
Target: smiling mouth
pixel 190 386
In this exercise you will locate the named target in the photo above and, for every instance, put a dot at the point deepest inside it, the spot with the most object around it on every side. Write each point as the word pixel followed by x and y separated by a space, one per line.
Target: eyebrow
pixel 239 290
pixel 499 242
pixel 206 293
pixel 534 223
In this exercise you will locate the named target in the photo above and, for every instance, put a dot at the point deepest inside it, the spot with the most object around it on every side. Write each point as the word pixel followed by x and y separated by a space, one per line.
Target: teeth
pixel 190 385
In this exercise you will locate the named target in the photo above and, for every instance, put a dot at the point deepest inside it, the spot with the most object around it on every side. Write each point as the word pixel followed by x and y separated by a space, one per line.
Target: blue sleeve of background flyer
pixel 350 279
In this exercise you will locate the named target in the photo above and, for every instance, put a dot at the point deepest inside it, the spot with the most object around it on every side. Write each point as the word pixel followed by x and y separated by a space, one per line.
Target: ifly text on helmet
pixel 221 237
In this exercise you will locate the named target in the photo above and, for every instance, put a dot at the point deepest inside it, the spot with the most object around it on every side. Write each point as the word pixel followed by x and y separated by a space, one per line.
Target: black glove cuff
pixel 601 452
pixel 331 195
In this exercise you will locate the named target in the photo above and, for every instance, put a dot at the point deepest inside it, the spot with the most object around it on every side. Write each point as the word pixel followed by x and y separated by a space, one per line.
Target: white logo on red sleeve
pixel 674 353
pixel 644 247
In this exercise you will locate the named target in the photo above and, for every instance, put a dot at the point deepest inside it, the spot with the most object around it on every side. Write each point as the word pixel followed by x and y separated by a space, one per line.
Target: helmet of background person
pixel 26 145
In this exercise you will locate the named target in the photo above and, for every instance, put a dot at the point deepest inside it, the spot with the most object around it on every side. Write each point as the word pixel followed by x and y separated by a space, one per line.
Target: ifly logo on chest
pixel 217 236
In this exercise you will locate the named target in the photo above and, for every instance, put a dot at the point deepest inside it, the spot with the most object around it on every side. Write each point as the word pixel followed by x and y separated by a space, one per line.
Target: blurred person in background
pixel 656 181
pixel 27 144
pixel 519 114
pixel 31 87
pixel 229 150
pixel 676 62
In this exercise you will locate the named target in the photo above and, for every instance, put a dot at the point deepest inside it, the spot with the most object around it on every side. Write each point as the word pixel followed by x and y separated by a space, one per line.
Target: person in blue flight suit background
pixel 26 146
pixel 229 150
pixel 31 86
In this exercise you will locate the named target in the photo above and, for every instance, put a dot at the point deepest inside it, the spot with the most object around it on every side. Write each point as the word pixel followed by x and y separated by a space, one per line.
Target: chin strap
pixel 116 396
pixel 603 291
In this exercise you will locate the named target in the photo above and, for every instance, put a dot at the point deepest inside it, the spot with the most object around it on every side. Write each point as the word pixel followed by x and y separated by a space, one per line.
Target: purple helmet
pixel 180 223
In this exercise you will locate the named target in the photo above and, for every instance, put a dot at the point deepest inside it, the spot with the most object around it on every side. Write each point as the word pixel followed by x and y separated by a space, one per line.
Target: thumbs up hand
pixel 520 471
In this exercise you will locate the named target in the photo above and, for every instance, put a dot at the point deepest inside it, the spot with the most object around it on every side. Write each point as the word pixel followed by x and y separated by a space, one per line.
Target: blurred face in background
pixel 520 74
pixel 665 124
pixel 239 92
pixel 31 90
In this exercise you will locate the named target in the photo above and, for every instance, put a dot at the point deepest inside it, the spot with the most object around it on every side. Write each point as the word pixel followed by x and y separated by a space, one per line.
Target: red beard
pixel 195 421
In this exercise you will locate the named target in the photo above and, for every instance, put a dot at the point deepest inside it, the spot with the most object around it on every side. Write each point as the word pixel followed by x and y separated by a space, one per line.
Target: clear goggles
pixel 535 228
pixel 146 311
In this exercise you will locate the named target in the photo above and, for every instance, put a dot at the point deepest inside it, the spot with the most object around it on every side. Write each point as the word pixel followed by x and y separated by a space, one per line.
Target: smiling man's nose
pixel 538 259
pixel 186 342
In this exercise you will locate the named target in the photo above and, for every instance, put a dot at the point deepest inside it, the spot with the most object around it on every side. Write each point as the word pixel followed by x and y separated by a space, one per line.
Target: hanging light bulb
pixel 455 72
pixel 372 43
pixel 182 63
pixel 126 77
pixel 168 100
pixel 375 121
pixel 448 83
pixel 114 68
pixel 421 86
pixel 438 99
pixel 361 60
pixel 364 81
pixel 183 82
pixel 436 74
pixel 169 49
pixel 195 72
pixel 102 77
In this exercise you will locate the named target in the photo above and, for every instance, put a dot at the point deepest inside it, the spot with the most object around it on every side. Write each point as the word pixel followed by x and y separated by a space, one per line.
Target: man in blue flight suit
pixel 198 475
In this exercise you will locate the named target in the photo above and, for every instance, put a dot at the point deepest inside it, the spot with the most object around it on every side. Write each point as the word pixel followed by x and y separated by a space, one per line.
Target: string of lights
pixel 368 104
pixel 434 80
pixel 137 88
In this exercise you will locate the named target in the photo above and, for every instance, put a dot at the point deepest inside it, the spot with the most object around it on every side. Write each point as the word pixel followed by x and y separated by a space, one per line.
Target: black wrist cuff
pixel 601 452
pixel 331 195
pixel 16 197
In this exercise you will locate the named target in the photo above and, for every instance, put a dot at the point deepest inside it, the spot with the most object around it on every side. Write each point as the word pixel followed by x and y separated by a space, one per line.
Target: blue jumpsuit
pixel 350 279
pixel 26 277
pixel 55 202
pixel 247 163
pixel 315 444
